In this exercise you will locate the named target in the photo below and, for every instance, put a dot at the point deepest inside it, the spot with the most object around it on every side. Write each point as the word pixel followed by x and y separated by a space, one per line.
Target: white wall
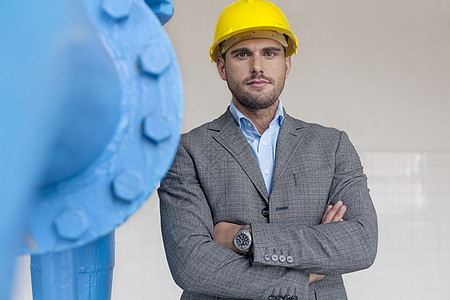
pixel 379 70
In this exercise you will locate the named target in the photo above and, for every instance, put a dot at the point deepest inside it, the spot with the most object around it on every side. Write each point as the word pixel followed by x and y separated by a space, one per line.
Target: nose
pixel 257 64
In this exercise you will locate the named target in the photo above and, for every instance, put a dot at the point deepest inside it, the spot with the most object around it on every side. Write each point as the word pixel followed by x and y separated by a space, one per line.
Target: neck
pixel 261 117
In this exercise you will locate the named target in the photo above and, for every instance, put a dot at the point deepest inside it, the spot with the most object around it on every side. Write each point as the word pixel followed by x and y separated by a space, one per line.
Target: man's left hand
pixel 224 234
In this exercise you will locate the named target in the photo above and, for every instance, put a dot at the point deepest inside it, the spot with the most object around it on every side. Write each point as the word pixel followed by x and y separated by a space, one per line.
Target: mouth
pixel 257 83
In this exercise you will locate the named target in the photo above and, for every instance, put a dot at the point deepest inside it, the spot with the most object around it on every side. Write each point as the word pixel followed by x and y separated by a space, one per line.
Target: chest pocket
pixel 301 196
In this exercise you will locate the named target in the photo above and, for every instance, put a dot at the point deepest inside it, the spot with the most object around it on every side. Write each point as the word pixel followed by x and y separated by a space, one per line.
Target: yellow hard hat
pixel 253 17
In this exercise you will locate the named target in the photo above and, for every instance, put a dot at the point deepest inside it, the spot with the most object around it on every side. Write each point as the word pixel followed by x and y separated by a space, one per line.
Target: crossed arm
pixel 225 232
pixel 201 265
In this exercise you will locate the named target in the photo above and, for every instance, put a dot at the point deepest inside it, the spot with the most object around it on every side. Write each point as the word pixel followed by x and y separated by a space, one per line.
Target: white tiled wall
pixel 411 193
pixel 141 270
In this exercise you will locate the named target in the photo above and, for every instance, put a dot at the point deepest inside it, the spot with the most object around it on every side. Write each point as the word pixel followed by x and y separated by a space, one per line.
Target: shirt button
pixel 265 212
pixel 289 259
pixel 282 258
pixel 267 256
pixel 266 171
pixel 264 143
pixel 249 124
pixel 274 257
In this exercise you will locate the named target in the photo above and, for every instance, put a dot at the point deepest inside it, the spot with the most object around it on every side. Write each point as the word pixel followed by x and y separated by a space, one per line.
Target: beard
pixel 255 100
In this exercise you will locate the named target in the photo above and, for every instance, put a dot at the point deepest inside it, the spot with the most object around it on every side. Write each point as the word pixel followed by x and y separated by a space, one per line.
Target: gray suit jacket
pixel 215 177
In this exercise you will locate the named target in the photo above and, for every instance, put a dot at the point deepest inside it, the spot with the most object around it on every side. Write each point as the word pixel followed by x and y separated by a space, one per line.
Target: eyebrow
pixel 245 49
pixel 272 49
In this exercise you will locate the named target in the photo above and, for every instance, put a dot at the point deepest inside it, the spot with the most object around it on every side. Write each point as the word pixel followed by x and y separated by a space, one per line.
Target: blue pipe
pixel 90 115
pixel 83 273
pixel 54 276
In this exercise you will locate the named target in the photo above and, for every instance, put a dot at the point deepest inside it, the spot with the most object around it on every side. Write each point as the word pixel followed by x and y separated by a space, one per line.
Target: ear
pixel 288 65
pixel 221 68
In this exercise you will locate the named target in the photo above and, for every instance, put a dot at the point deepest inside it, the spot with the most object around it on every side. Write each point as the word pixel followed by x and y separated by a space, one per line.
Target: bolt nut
pixel 157 127
pixel 128 185
pixel 117 9
pixel 163 9
pixel 155 59
pixel 71 224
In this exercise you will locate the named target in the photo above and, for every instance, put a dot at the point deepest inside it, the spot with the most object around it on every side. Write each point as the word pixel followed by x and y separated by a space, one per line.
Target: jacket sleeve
pixel 197 263
pixel 333 248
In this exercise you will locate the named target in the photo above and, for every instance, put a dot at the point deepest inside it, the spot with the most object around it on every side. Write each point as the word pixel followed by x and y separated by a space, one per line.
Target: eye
pixel 270 54
pixel 242 55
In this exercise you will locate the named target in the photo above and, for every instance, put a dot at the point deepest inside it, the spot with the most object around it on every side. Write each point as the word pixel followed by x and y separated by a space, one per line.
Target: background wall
pixel 380 70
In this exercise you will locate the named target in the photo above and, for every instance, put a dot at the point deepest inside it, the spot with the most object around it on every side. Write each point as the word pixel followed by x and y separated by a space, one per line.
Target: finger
pixel 339 214
pixel 329 215
pixel 326 213
pixel 315 277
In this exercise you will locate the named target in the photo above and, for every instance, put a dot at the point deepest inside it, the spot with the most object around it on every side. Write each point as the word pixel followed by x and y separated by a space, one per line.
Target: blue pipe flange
pixel 110 154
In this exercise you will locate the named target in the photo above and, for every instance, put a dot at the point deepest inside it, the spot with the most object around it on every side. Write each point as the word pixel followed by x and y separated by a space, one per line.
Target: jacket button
pixel 267 256
pixel 289 259
pixel 272 297
pixel 274 257
pixel 282 258
pixel 265 212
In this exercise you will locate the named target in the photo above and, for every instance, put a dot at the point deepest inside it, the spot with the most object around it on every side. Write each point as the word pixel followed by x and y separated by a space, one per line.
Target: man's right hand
pixel 334 213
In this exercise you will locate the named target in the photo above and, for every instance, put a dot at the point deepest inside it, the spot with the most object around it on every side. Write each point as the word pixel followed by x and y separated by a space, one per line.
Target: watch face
pixel 243 240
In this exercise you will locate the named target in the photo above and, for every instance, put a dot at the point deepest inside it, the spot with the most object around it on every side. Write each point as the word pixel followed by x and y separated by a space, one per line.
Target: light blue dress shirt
pixel 264 146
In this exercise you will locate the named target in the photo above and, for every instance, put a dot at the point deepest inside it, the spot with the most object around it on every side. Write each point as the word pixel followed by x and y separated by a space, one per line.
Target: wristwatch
pixel 243 239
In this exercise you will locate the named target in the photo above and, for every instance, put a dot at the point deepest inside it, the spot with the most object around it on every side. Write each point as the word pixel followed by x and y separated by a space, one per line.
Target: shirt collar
pixel 238 116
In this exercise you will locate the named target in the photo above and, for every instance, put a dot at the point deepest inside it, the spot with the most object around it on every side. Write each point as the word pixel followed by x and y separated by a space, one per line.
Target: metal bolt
pixel 155 59
pixel 117 9
pixel 128 185
pixel 156 127
pixel 71 224
pixel 163 9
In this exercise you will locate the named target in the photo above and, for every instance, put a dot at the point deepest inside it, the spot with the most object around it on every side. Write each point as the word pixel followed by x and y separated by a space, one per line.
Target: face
pixel 255 71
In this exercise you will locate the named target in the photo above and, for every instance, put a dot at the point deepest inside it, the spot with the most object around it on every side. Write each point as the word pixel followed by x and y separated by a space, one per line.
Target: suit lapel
pixel 229 135
pixel 288 141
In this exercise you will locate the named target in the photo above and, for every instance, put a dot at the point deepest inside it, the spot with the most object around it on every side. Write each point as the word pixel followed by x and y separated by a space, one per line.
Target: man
pixel 257 204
